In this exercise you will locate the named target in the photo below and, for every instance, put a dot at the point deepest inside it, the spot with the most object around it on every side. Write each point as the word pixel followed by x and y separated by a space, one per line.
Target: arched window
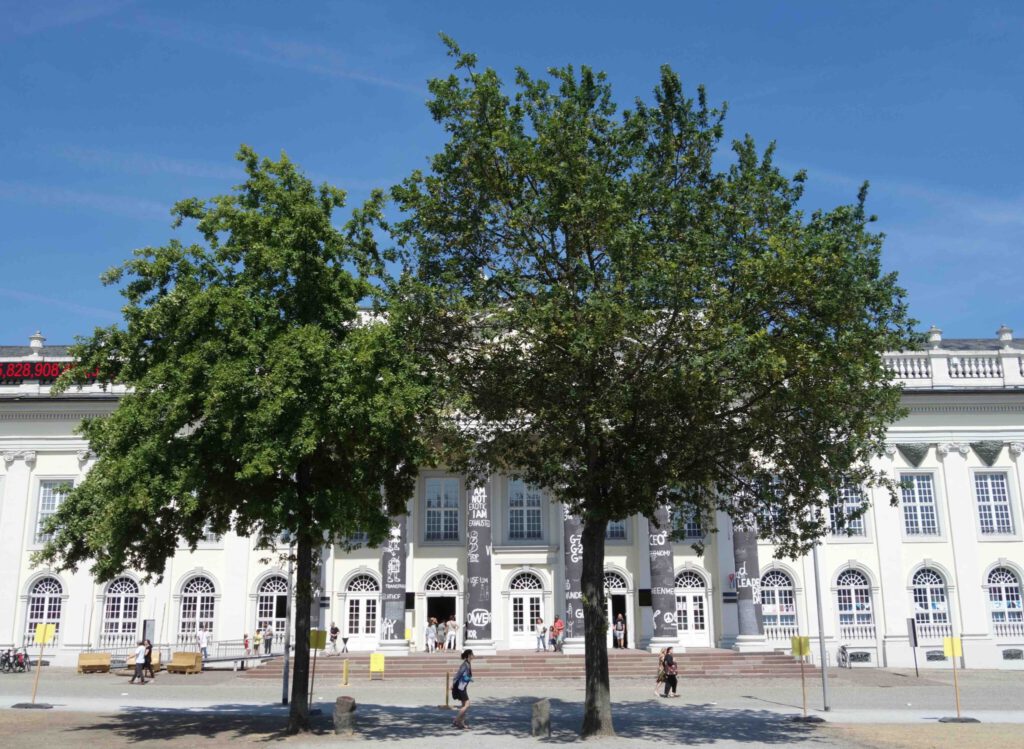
pixel 691 599
pixel 1004 601
pixel 853 602
pixel 363 593
pixel 442 583
pixel 198 604
pixel 272 605
pixel 121 613
pixel 778 605
pixel 614 581
pixel 929 590
pixel 526 581
pixel 44 606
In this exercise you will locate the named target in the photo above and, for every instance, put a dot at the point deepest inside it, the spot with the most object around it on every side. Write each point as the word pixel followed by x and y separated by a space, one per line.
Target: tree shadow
pixel 667 722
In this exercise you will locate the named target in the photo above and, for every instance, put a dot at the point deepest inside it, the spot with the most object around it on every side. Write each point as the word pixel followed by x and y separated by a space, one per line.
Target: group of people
pixel 667 675
pixel 553 635
pixel 143 662
pixel 264 638
pixel 442 635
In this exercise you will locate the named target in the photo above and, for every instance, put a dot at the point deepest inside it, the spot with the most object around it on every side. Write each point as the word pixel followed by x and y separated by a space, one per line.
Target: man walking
pixel 334 639
pixel 140 661
pixel 268 640
pixel 203 638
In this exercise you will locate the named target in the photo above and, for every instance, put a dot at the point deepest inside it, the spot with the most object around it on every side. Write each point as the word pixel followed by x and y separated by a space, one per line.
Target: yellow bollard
pixel 344 673
pixel 447 689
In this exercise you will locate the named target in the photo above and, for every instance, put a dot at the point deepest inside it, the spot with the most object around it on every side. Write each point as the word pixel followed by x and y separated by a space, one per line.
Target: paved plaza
pixel 871 708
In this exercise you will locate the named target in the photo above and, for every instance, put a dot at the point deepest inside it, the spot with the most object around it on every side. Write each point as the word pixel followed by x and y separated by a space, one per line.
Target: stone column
pixel 572 531
pixel 663 583
pixel 392 597
pixel 748 591
pixel 16 512
pixel 479 601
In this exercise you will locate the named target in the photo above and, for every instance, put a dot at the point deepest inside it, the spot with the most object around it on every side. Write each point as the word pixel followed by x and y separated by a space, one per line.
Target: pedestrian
pixel 660 678
pixel 620 632
pixel 245 642
pixel 452 628
pixel 257 641
pixel 147 659
pixel 460 686
pixel 542 632
pixel 441 634
pixel 140 661
pixel 670 674
pixel 334 631
pixel 557 631
pixel 268 640
pixel 203 639
pixel 431 635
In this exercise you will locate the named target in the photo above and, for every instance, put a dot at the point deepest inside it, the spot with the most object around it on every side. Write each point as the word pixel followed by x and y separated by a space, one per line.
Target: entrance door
pixel 527 605
pixel 616 603
pixel 691 610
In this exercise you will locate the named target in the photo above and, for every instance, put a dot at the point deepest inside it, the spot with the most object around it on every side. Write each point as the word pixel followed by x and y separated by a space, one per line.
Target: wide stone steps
pixel 528 665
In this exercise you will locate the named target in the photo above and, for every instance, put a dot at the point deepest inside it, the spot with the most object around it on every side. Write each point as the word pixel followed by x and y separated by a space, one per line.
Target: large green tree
pixel 257 399
pixel 632 322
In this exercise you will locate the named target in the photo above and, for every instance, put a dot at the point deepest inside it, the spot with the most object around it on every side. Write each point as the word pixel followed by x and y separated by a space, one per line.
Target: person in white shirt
pixel 140 659
pixel 203 638
pixel 452 628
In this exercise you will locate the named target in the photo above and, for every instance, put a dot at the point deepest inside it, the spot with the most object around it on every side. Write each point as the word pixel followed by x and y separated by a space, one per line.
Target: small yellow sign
pixel 801 646
pixel 408 634
pixel 318 639
pixel 376 663
pixel 45 633
pixel 952 647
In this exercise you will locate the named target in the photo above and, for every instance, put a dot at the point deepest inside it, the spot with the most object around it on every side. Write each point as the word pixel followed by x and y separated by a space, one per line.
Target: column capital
pixel 29 456
pixel 1016 448
pixel 947 448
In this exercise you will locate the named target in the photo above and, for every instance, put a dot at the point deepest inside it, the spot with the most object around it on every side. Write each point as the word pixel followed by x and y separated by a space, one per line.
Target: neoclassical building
pixel 950 557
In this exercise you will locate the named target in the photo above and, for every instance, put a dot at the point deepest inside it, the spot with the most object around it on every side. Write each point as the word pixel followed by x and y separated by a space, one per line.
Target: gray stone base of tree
pixel 959 720
pixel 807 719
pixel 345 716
pixel 32 706
pixel 540 722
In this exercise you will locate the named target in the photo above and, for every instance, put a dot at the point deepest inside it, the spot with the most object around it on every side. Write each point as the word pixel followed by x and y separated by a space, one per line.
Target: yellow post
pixel 44 634
pixel 953 649
pixel 39 670
pixel 803 684
pixel 447 689
pixel 344 673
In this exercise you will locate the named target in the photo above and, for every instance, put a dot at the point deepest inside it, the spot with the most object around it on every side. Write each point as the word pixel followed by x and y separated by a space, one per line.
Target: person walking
pixel 140 661
pixel 620 632
pixel 660 678
pixel 268 640
pixel 431 635
pixel 245 643
pixel 460 688
pixel 441 634
pixel 203 640
pixel 334 638
pixel 542 632
pixel 147 659
pixel 452 628
pixel 670 674
pixel 257 641
pixel 557 630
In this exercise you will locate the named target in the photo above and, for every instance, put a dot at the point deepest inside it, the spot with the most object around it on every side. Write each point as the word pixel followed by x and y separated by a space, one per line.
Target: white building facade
pixel 950 557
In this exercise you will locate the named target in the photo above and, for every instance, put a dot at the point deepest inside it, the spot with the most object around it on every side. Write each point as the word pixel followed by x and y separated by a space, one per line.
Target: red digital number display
pixel 32 370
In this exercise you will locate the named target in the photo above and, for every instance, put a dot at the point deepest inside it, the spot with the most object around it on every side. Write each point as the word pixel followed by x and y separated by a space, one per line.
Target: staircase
pixel 517 664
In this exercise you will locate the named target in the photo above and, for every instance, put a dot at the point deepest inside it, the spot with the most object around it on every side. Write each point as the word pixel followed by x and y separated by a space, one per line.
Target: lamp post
pixel 821 630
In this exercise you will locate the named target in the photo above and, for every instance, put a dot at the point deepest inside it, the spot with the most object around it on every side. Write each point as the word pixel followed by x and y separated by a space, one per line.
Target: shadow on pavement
pixel 663 722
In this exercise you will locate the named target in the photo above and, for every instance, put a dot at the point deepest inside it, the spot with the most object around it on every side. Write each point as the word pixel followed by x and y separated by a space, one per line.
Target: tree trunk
pixel 597 710
pixel 298 715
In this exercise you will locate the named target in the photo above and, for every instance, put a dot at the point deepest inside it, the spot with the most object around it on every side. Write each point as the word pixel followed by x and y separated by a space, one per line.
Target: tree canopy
pixel 258 400
pixel 630 322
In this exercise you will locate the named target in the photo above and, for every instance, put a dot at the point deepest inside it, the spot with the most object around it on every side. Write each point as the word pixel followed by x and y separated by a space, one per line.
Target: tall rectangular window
pixel 850 500
pixel 920 517
pixel 524 511
pixel 442 521
pixel 616 530
pixel 51 494
pixel 993 497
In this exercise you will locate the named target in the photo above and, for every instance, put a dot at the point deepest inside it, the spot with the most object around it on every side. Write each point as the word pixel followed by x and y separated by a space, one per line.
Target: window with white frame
pixel 853 599
pixel 121 611
pixel 272 605
pixel 778 599
pixel 524 511
pixel 45 601
pixel 849 502
pixel 198 605
pixel 687 521
pixel 363 594
pixel 691 599
pixel 52 494
pixel 616 530
pixel 1004 598
pixel 929 590
pixel 442 509
pixel 920 517
pixel 993 496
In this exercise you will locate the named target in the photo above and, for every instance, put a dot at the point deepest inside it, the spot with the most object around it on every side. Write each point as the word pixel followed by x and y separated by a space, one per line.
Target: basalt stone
pixel 540 722
pixel 345 716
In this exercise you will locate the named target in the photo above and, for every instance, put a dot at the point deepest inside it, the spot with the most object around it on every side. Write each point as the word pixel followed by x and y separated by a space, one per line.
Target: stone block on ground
pixel 345 716
pixel 540 722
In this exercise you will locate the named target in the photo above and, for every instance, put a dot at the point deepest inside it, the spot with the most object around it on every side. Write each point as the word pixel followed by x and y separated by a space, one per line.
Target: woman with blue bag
pixel 462 678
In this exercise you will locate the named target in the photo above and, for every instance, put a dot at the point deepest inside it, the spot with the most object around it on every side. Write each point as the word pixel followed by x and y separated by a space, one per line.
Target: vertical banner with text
pixel 747 581
pixel 573 545
pixel 478 564
pixel 663 577
pixel 392 622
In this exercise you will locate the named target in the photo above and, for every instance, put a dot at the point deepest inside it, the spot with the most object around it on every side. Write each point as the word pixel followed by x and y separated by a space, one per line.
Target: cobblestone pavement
pixel 870 709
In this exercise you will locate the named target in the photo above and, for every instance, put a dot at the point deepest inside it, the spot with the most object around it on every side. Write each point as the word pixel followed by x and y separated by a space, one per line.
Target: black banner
pixel 748 582
pixel 392 623
pixel 573 546
pixel 663 578
pixel 478 564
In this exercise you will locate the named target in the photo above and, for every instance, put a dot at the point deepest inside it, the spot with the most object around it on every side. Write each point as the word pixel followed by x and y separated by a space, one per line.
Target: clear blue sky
pixel 111 110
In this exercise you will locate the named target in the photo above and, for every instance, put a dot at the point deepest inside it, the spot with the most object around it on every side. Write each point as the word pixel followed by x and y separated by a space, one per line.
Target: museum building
pixel 949 558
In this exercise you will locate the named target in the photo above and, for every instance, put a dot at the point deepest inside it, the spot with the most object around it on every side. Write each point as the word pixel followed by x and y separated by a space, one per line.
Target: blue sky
pixel 110 110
